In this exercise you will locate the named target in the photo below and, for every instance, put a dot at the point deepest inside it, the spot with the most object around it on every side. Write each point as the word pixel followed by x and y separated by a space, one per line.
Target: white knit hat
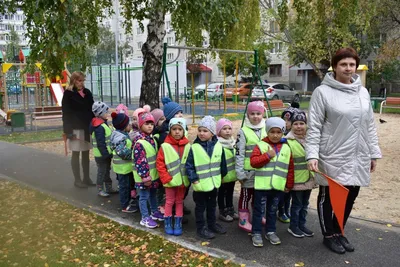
pixel 209 123
pixel 99 108
pixel 275 122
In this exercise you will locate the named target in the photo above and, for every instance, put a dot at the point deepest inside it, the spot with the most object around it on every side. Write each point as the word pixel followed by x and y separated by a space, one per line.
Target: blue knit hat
pixel 170 108
pixel 119 120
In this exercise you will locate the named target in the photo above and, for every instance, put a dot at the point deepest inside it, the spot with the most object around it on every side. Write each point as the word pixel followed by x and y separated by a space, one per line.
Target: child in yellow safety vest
pixel 171 159
pixel 205 167
pixel 274 175
pixel 121 146
pixel 101 134
pixel 225 192
pixel 303 178
pixel 145 172
pixel 252 132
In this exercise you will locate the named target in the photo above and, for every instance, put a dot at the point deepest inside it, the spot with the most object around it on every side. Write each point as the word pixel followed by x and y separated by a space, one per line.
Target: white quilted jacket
pixel 341 132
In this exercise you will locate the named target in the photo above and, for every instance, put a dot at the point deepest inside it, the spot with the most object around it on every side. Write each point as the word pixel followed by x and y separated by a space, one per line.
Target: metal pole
pixel 224 84
pixel 101 82
pixel 210 49
pixel 165 70
pixel 206 94
pixel 126 86
pixel 116 47
pixel 259 79
pixel 177 83
pixel 111 95
pixel 192 98
pixel 129 84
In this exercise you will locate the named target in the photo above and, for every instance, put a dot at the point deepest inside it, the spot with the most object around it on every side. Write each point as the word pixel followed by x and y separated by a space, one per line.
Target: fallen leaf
pixel 107 265
pixel 202 257
pixel 380 238
pixel 347 262
pixel 358 229
pixel 205 243
pixel 227 261
pixel 46 265
pixel 299 264
pixel 388 225
pixel 386 231
pixel 242 265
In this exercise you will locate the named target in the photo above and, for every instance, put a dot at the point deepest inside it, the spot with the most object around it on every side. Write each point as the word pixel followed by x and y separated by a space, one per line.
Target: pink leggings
pixel 174 195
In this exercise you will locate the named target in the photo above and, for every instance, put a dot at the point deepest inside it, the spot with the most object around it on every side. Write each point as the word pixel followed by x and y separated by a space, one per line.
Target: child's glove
pixel 147 181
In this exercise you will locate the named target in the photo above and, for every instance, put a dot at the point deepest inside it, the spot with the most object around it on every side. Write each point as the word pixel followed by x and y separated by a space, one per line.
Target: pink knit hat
pixel 221 123
pixel 157 114
pixel 146 108
pixel 145 117
pixel 121 108
pixel 255 106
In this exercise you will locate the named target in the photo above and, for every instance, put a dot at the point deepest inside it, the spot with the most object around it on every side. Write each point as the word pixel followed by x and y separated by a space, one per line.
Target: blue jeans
pixel 147 195
pixel 124 189
pixel 270 200
pixel 205 202
pixel 103 171
pixel 300 201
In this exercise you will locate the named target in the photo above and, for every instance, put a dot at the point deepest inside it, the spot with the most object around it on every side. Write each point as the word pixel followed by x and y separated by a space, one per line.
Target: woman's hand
pixel 312 165
pixel 373 165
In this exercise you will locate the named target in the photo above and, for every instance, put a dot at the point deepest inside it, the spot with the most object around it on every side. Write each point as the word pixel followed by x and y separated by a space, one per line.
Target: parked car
pixel 199 92
pixel 216 89
pixel 14 90
pixel 277 91
pixel 242 90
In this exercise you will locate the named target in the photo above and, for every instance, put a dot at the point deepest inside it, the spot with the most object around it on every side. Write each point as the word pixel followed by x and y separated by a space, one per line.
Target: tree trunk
pixel 152 51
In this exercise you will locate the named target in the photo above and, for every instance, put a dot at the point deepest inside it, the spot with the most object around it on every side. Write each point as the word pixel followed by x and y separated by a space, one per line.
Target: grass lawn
pixel 31 136
pixel 37 230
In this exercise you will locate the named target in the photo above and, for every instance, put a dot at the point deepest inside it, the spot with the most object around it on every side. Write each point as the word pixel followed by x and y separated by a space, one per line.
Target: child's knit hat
pixel 99 108
pixel 157 114
pixel 275 122
pixel 299 116
pixel 288 113
pixel 145 117
pixel 255 106
pixel 121 108
pixel 146 108
pixel 221 123
pixel 177 121
pixel 119 120
pixel 209 123
pixel 170 108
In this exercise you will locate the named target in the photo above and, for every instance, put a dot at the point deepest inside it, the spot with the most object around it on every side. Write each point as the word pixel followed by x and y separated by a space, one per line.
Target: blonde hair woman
pixel 77 114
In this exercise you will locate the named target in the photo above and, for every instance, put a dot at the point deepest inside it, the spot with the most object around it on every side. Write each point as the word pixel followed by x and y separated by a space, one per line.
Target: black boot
pixel 333 244
pixel 86 169
pixel 345 243
pixel 76 170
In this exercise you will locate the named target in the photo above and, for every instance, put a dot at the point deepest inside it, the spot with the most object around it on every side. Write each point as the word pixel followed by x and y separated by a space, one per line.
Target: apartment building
pixel 7 23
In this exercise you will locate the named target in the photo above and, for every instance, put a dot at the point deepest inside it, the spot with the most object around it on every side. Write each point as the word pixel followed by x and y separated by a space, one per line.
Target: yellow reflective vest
pixel 301 172
pixel 121 166
pixel 151 155
pixel 272 176
pixel 176 165
pixel 208 169
pixel 96 150
pixel 251 141
pixel 230 165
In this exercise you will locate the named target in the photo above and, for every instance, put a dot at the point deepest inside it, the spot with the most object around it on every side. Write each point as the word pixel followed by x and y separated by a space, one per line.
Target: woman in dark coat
pixel 77 114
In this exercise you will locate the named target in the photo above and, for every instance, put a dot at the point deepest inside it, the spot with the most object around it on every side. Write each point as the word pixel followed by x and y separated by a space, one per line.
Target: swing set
pixel 256 77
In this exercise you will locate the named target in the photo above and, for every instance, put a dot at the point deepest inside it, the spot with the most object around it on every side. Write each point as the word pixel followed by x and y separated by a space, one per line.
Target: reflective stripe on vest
pixel 230 165
pixel 120 165
pixel 96 150
pixel 176 165
pixel 151 155
pixel 273 175
pixel 301 173
pixel 208 169
pixel 251 141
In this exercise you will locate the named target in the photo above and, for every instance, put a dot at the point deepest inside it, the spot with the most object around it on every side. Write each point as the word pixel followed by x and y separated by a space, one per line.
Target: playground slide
pixel 57 91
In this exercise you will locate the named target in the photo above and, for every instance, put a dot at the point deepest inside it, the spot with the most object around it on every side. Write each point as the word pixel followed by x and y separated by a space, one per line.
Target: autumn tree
pixel 313 30
pixel 13 45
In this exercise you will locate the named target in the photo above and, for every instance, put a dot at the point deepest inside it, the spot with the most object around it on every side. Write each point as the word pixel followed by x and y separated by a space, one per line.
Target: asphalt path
pixel 376 244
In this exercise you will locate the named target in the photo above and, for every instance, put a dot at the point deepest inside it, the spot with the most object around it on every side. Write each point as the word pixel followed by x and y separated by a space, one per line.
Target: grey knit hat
pixel 275 122
pixel 299 116
pixel 99 108
pixel 209 123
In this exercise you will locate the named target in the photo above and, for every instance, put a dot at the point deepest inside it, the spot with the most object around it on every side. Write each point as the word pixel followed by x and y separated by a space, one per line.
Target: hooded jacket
pixel 100 135
pixel 341 132
pixel 118 144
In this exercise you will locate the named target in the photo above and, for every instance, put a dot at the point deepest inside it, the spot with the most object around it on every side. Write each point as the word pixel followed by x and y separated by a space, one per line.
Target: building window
pixel 170 40
pixel 299 72
pixel 275 70
pixel 168 25
pixel 273 26
pixel 139 30
pixel 139 45
pixel 170 56
pixel 276 48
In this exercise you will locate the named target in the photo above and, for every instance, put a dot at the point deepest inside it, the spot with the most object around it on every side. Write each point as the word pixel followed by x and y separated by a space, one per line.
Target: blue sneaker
pixel 148 222
pixel 157 216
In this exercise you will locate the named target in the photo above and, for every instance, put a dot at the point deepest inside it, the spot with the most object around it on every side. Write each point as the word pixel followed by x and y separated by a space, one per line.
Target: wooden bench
pixel 276 105
pixel 46 113
pixel 390 102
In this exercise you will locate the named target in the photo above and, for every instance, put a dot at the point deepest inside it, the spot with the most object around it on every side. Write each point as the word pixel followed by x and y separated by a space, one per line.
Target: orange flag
pixel 338 195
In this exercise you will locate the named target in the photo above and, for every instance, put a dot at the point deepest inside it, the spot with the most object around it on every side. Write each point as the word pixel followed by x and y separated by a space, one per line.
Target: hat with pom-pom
pixel 121 108
pixel 170 108
pixel 119 120
pixel 221 123
pixel 209 123
pixel 255 106
pixel 146 108
pixel 157 114
pixel 299 116
pixel 145 117
pixel 99 108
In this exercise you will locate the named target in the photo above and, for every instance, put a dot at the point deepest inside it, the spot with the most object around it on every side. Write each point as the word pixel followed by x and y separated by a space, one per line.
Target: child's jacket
pixel 172 168
pixel 101 135
pixel 278 171
pixel 121 146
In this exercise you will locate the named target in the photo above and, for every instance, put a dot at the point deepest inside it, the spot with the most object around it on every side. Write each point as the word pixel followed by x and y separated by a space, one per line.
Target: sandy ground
pixel 379 201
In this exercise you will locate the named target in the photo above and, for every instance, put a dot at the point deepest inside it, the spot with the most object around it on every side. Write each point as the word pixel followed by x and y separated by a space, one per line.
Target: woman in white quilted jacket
pixel 341 141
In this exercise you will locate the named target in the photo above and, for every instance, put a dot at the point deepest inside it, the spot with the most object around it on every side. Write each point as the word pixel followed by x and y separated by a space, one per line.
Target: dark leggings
pixel 85 164
pixel 225 195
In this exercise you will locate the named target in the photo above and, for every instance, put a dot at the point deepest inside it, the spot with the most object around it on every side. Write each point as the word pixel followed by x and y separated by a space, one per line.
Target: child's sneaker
pixel 224 216
pixel 157 216
pixel 273 238
pixel 233 213
pixel 284 218
pixel 130 209
pixel 110 189
pixel 306 231
pixel 148 222
pixel 103 193
pixel 295 231
pixel 257 240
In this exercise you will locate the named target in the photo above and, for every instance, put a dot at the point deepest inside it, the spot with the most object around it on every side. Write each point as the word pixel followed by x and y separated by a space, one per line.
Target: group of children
pixel 152 156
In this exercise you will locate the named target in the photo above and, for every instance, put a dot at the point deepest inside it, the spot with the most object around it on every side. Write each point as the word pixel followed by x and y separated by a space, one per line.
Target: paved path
pixel 376 245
